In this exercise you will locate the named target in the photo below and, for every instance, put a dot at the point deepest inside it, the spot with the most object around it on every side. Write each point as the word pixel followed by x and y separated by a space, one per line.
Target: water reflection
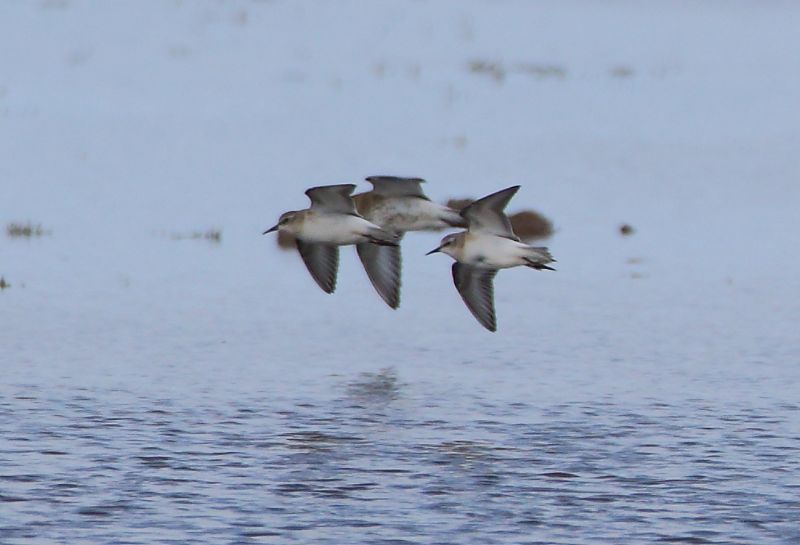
pixel 616 473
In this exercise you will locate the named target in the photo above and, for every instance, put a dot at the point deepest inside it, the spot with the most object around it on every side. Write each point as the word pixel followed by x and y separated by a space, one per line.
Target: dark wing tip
pixel 383 267
pixel 489 322
pixel 328 285
pixel 383 178
pixel 508 193
pixel 479 298
pixel 322 262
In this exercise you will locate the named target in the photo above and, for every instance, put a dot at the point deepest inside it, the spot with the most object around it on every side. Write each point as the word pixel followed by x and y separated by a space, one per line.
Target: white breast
pixel 406 214
pixel 339 229
pixel 491 251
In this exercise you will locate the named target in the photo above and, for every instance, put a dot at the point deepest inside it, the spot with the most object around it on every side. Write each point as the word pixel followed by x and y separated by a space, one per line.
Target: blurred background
pixel 144 147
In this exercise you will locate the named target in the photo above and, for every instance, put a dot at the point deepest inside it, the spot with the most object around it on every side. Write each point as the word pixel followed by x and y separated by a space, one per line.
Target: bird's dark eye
pixel 284 221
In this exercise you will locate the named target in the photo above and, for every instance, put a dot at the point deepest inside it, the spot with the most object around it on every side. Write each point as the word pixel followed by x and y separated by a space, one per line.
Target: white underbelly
pixel 339 229
pixel 493 252
pixel 406 215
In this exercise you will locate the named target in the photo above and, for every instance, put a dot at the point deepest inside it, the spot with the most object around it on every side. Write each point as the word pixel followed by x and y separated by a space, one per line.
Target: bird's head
pixel 286 223
pixel 447 246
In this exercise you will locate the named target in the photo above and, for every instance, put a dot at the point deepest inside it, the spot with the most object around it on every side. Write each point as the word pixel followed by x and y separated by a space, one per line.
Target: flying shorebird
pixel 397 205
pixel 330 222
pixel 488 245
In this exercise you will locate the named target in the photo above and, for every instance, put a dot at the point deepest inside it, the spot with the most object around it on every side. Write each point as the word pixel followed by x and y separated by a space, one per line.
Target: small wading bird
pixel 397 205
pixel 330 222
pixel 488 245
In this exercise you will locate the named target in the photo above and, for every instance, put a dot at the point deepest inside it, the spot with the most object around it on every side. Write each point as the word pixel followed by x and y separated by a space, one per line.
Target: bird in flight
pixel 332 221
pixel 488 245
pixel 397 205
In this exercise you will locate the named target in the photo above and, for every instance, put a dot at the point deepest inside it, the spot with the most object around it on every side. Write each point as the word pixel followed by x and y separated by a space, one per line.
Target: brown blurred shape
pixel 626 230
pixel 530 225
pixel 27 230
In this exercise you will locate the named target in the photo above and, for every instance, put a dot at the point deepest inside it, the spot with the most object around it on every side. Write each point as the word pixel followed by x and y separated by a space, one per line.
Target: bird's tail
pixel 537 257
pixel 452 217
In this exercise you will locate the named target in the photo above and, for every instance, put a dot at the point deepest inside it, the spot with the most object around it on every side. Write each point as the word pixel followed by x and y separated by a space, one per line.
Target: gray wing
pixel 322 261
pixel 395 186
pixel 486 214
pixel 333 198
pixel 477 290
pixel 383 264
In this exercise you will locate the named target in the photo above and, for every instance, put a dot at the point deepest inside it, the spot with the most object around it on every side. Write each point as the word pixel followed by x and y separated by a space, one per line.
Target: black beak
pixel 271 229
pixel 435 250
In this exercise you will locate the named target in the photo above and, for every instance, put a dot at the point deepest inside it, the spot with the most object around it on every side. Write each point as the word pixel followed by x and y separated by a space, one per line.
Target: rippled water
pixel 374 459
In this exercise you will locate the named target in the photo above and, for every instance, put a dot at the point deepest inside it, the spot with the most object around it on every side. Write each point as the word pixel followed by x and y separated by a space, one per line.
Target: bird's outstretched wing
pixel 476 287
pixel 322 261
pixel 383 264
pixel 332 198
pixel 395 186
pixel 486 215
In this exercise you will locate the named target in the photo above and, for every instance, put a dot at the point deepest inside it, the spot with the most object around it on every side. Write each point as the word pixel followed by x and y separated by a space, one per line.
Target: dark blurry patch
pixel 212 235
pixel 530 225
pixel 3 283
pixel 498 71
pixel 487 68
pixel 25 230
pixel 626 229
pixel 621 71
pixel 542 71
